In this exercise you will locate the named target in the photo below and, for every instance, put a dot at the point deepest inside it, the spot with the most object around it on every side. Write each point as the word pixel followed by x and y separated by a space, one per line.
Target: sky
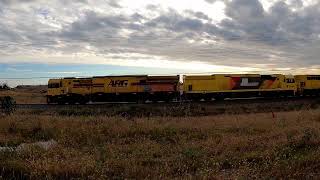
pixel 40 39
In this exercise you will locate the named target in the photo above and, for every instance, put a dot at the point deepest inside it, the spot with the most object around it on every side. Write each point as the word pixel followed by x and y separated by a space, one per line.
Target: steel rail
pixel 314 100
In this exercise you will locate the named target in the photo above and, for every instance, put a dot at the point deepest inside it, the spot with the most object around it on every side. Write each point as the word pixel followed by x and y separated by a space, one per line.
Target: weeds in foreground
pixel 221 146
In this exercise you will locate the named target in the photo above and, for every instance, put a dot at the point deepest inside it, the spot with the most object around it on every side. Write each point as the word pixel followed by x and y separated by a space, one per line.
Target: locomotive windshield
pixel 54 85
pixel 290 81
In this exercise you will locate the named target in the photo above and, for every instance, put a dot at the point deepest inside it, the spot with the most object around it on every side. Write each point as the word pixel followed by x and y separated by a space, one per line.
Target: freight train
pixel 142 88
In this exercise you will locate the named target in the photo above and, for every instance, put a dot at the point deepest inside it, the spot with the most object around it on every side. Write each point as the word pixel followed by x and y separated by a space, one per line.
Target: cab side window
pixel 54 85
pixel 290 81
pixel 313 78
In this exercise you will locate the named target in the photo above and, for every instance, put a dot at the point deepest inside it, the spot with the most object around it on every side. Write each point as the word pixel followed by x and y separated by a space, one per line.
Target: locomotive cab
pixel 290 83
pixel 54 90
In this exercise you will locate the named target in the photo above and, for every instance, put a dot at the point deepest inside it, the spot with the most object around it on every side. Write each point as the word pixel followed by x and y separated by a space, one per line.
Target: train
pixel 147 88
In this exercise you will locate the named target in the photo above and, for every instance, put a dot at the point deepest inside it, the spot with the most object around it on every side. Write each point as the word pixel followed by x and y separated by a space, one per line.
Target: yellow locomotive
pixel 308 85
pixel 71 90
pixel 112 89
pixel 222 86
pixel 139 88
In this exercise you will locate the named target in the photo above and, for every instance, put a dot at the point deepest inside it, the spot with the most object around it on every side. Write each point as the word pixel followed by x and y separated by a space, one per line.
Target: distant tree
pixel 4 86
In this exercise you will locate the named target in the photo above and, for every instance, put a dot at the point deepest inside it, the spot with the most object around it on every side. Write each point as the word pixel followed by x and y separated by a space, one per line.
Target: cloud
pixel 212 1
pixel 284 35
pixel 91 23
pixel 199 15
pixel 279 25
pixel 114 3
pixel 7 2
pixel 176 22
pixel 244 10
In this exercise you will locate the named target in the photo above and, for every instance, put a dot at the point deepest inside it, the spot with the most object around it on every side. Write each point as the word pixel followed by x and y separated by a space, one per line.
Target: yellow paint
pixel 54 87
pixel 307 82
pixel 224 83
pixel 121 84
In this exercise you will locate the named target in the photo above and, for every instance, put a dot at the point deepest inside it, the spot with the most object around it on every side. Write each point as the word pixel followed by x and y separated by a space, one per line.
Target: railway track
pixel 175 109
pixel 226 103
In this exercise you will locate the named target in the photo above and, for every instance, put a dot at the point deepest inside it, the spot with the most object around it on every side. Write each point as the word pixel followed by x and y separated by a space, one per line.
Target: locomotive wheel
pixel 219 98
pixel 140 101
pixel 61 102
pixel 83 101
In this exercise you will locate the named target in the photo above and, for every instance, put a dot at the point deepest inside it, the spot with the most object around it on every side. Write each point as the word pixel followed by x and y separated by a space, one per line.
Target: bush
pixel 8 104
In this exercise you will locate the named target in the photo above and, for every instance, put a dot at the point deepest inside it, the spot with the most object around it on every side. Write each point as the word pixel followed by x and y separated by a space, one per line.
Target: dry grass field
pixel 27 94
pixel 227 140
pixel 261 145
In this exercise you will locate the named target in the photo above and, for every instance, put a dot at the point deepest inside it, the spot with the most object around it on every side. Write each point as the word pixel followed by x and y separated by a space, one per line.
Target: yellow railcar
pixel 308 84
pixel 221 86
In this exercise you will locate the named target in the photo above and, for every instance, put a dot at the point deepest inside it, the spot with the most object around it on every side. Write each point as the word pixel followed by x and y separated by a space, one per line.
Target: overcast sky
pixel 185 35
